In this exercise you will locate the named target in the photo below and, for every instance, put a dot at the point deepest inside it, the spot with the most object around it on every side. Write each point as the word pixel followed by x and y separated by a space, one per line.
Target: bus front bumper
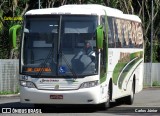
pixel 80 96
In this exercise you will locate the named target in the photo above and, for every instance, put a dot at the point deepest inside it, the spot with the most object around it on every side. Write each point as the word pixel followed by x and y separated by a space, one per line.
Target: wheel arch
pixel 111 88
pixel 134 83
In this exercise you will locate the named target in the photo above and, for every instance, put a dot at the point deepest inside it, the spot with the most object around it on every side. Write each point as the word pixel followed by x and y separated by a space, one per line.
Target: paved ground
pixel 147 101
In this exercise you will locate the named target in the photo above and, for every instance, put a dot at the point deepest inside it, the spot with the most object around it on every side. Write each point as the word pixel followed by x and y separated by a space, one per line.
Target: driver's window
pixel 103 51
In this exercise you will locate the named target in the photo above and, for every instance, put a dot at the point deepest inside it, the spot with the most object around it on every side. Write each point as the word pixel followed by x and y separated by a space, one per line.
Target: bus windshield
pixel 60 45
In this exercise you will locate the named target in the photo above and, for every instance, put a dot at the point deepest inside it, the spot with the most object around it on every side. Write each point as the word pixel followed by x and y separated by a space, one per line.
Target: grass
pixel 8 92
pixel 156 83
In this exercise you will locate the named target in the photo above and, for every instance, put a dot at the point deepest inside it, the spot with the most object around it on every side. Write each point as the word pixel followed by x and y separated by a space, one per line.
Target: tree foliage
pixel 142 8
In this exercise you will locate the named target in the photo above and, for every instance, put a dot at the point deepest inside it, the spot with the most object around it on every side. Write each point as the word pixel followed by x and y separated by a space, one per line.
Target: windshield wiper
pixel 45 60
pixel 69 66
pixel 43 64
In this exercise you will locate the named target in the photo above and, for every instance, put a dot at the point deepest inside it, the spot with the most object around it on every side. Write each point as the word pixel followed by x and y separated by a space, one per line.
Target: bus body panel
pixel 81 96
pixel 70 89
pixel 122 87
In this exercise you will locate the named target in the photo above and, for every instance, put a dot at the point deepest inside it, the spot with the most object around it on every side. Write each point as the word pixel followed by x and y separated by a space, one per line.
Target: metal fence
pixel 151 75
pixel 9 74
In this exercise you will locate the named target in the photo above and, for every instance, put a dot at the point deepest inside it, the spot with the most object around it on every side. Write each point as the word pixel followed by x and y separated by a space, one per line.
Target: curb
pixel 151 88
pixel 18 95
pixel 9 96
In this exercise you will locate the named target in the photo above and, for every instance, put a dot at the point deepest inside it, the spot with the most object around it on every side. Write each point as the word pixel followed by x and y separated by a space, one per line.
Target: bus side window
pixel 127 28
pixel 116 40
pixel 103 56
pixel 139 36
pixel 119 39
pixel 103 23
pixel 110 33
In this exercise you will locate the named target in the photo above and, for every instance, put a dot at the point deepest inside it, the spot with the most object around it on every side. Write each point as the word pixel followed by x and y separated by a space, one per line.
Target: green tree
pixel 142 8
pixel 11 9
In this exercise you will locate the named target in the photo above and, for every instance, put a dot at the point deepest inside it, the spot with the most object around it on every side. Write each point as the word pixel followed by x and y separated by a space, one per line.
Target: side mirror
pixel 99 36
pixel 13 35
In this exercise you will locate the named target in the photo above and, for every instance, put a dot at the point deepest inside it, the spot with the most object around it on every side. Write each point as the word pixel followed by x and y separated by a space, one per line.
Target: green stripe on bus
pixel 122 63
pixel 126 71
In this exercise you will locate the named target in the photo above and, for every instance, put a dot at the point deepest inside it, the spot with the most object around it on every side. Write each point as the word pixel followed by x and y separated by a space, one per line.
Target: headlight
pixel 89 84
pixel 27 84
pixel 23 83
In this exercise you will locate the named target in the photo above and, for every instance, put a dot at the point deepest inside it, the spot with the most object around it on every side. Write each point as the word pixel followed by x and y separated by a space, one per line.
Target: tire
pixel 39 106
pixel 106 104
pixel 120 101
pixel 129 99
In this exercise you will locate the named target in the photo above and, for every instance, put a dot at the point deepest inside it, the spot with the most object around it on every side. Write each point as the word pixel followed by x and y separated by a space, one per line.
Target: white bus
pixel 80 54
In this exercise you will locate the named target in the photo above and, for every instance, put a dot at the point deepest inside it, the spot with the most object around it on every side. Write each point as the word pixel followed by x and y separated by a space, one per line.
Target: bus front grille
pixel 62 86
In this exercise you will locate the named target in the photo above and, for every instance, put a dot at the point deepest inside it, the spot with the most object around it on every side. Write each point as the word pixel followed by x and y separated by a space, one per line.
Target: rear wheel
pixel 129 99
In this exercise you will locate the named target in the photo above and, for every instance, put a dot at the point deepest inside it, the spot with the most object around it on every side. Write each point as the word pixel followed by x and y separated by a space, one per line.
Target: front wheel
pixel 38 106
pixel 106 104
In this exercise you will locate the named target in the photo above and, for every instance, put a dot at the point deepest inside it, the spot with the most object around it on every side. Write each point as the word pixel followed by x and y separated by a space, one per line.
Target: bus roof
pixel 86 9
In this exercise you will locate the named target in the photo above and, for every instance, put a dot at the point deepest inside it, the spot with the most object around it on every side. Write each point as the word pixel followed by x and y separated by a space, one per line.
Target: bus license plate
pixel 56 96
